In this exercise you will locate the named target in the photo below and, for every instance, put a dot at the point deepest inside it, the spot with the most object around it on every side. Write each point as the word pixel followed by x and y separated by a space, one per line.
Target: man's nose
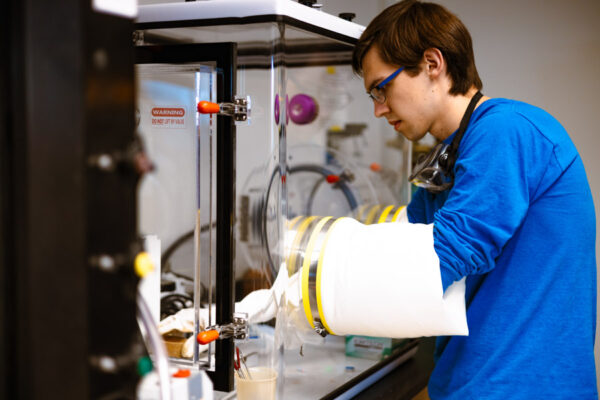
pixel 380 108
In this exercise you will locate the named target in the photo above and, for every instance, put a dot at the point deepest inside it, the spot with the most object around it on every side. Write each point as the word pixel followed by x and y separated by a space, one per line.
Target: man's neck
pixel 451 112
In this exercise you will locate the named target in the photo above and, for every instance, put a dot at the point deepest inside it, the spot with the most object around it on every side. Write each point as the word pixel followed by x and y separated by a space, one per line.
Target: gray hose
pixel 157 347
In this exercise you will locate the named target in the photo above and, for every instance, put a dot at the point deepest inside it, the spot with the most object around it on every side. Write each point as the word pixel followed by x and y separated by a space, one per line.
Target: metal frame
pixel 279 19
pixel 225 56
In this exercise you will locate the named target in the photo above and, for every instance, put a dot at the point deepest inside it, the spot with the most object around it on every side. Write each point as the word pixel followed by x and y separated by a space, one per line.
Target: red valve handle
pixel 332 178
pixel 207 336
pixel 206 107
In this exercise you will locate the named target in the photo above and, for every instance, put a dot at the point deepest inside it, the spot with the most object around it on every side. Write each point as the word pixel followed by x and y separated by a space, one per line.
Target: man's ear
pixel 434 62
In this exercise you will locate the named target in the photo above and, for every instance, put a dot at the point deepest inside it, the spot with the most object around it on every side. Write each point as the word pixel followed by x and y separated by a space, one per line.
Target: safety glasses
pixel 377 93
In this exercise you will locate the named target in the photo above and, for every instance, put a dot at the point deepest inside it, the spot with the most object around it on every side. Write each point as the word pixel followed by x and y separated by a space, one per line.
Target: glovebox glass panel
pixel 176 200
pixel 311 147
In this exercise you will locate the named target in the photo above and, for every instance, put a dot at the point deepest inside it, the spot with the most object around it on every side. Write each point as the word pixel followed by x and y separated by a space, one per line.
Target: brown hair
pixel 403 31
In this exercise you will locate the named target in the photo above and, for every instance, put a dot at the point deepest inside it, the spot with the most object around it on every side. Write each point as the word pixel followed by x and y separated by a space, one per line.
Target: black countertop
pixel 405 381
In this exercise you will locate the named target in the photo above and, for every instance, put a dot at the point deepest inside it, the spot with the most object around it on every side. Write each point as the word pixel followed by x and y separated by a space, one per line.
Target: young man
pixel 511 208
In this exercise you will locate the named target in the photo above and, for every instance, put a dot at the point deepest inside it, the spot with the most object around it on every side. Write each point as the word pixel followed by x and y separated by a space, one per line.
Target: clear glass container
pixel 309 146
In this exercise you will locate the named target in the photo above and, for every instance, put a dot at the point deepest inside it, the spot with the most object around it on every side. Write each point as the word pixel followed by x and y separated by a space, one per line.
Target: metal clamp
pixel 238 329
pixel 319 328
pixel 239 109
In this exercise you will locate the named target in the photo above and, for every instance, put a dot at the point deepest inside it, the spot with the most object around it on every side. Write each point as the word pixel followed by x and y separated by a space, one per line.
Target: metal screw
pixel 105 162
pixel 107 364
pixel 106 263
pixel 100 58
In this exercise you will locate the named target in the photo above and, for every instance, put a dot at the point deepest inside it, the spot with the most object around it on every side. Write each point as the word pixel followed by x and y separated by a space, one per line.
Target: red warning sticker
pixel 168 117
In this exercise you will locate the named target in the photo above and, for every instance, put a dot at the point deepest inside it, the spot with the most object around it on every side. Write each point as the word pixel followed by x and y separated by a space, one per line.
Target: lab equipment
pixel 235 165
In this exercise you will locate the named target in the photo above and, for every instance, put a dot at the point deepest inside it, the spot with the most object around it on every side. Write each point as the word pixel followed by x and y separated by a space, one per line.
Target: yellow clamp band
pixel 292 222
pixel 306 268
pixel 319 273
pixel 371 214
pixel 397 213
pixel 295 245
pixel 384 214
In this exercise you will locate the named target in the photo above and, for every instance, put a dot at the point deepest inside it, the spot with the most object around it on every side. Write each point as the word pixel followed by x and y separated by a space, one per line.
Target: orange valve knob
pixel 206 107
pixel 207 336
pixel 375 167
pixel 182 373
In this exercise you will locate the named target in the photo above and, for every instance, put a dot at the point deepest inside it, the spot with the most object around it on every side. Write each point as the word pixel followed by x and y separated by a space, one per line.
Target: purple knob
pixel 276 111
pixel 303 109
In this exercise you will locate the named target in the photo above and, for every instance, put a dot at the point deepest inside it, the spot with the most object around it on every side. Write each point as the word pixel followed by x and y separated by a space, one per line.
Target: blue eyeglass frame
pixel 381 84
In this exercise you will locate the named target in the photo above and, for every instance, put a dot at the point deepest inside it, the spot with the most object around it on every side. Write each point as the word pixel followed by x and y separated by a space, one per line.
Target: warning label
pixel 168 117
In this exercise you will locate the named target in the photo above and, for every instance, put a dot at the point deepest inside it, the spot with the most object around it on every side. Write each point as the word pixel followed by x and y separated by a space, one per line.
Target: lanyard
pixel 464 123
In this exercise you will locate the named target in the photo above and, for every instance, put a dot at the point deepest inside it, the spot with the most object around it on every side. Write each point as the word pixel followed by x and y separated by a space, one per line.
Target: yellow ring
pixel 306 268
pixel 384 214
pixel 397 213
pixel 372 213
pixel 319 269
pixel 293 221
pixel 360 212
pixel 294 248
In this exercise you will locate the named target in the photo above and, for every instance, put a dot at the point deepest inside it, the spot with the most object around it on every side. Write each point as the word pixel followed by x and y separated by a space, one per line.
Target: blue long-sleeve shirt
pixel 519 223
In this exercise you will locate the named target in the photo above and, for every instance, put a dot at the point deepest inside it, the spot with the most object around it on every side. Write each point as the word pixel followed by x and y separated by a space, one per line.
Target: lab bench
pixel 399 377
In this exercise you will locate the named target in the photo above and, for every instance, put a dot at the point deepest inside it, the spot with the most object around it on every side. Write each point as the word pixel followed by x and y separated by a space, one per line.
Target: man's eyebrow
pixel 375 82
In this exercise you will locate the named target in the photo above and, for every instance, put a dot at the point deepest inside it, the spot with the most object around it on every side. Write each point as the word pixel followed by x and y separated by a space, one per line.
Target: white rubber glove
pixel 182 321
pixel 260 306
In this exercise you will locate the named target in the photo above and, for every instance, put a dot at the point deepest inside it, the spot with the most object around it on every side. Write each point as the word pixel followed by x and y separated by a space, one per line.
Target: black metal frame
pixel 66 94
pixel 225 57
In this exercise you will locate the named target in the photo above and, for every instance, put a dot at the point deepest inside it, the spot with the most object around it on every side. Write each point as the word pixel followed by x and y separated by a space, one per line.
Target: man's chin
pixel 409 135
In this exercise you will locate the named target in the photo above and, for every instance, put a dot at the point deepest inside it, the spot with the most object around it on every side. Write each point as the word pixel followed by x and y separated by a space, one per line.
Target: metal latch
pixel 320 329
pixel 239 109
pixel 238 329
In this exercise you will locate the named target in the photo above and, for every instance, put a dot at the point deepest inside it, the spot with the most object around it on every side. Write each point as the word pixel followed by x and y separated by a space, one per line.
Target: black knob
pixel 308 3
pixel 347 16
